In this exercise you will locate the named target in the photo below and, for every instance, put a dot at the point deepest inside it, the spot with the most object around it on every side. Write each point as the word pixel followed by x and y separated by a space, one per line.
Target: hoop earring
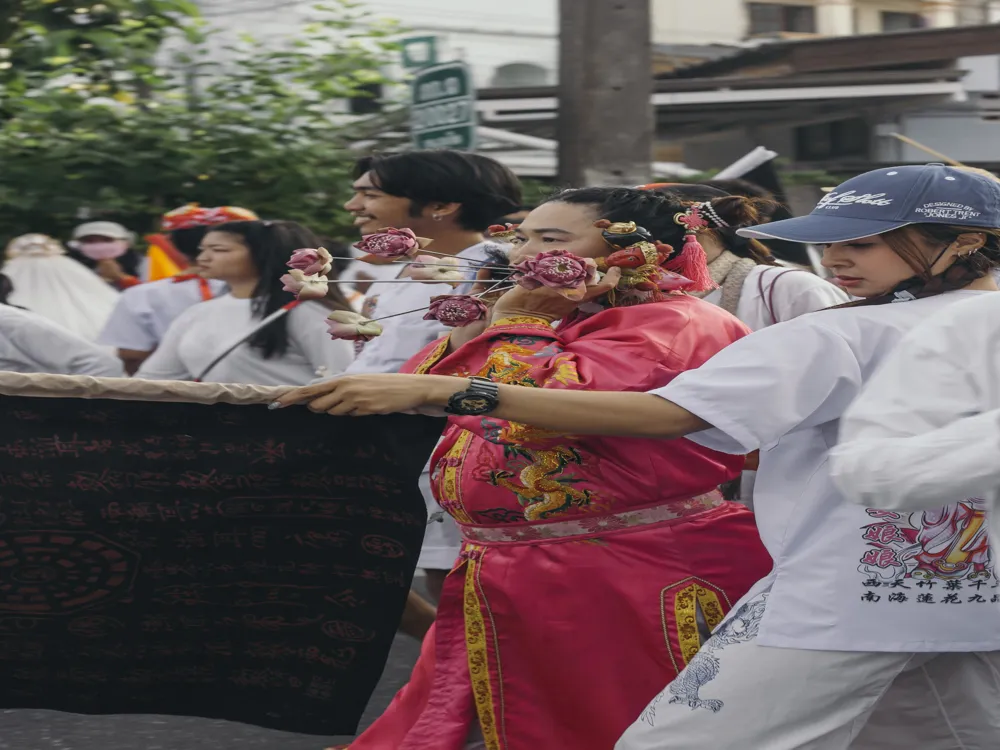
pixel 438 217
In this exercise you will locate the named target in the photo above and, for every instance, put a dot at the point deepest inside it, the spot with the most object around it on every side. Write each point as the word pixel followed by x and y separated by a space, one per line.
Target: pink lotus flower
pixel 350 326
pixel 456 310
pixel 557 269
pixel 389 243
pixel 305 287
pixel 312 262
pixel 437 270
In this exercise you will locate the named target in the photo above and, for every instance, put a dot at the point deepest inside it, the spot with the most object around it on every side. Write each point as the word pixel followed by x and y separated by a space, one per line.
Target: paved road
pixel 51 730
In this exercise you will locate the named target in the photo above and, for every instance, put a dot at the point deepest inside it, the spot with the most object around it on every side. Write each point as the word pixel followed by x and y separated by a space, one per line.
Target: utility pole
pixel 606 120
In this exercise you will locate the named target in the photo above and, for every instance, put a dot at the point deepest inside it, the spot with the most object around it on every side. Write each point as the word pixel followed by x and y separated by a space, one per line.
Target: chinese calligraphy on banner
pixel 219 561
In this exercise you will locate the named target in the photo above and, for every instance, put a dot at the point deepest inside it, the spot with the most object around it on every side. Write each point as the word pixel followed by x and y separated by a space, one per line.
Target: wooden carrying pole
pixel 927 149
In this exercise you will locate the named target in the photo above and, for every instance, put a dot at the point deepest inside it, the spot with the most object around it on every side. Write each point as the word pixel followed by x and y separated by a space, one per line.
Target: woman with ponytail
pixel 751 283
pixel 876 628
pixel 591 568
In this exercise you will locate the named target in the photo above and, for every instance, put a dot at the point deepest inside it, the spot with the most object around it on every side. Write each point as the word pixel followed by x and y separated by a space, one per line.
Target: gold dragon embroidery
pixel 540 489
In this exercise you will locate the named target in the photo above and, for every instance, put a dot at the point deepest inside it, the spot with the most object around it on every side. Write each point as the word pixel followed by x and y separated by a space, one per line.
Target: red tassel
pixel 693 263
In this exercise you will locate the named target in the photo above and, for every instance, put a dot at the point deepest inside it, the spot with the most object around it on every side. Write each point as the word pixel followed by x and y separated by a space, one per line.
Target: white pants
pixel 737 695
pixel 442 539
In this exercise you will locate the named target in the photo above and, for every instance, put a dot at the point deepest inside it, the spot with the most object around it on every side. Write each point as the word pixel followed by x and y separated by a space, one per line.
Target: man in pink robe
pixel 591 567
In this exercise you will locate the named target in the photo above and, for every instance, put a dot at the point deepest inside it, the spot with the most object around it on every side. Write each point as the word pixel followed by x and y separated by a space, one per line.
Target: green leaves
pixel 89 126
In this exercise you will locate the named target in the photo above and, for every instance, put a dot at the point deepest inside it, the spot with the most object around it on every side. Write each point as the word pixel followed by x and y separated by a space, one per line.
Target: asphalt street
pixel 51 730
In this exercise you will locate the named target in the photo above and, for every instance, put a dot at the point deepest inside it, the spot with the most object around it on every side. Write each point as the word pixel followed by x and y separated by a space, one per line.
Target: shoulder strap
pixel 768 299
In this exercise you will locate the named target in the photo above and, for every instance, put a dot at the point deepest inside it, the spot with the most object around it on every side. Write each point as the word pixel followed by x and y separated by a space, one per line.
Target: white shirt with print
pixel 925 431
pixel 846 578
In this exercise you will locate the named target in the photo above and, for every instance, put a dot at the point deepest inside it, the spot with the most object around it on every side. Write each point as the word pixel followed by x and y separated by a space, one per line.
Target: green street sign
pixel 419 51
pixel 443 109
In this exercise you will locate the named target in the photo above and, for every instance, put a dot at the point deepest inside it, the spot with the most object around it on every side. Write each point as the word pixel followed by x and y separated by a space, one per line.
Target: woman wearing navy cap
pixel 876 629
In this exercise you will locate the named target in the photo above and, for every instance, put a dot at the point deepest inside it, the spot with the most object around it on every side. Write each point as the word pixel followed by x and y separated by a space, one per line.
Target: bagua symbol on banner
pixel 204 560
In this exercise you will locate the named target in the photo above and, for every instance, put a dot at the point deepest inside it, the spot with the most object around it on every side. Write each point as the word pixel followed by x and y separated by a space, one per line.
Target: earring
pixel 438 217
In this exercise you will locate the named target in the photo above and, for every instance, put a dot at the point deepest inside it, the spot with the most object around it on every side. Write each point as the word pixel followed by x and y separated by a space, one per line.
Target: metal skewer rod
pixel 472 265
pixel 421 309
pixel 417 281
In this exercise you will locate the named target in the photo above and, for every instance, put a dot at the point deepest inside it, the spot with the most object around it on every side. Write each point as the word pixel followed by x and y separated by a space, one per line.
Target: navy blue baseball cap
pixel 885 199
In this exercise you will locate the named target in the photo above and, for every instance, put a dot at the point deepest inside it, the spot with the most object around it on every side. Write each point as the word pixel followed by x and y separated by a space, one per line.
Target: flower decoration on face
pixel 503 232
pixel 456 310
pixel 388 245
pixel 557 269
pixel 305 287
pixel 437 270
pixel 350 326
pixel 312 262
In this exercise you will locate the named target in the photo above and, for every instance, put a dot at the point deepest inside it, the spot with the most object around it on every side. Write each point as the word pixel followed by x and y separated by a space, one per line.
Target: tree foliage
pixel 99 121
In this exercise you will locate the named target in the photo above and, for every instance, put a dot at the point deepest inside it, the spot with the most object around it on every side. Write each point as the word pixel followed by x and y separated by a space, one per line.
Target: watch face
pixel 471 404
pixel 475 404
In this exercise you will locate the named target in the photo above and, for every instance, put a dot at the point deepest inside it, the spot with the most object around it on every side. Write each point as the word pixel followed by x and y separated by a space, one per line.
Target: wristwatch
pixel 482 397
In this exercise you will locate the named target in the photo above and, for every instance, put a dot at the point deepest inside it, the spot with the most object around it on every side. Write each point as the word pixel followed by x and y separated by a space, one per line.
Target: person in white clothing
pixel 451 198
pixel 105 247
pixel 145 311
pixel 30 343
pixel 875 630
pixel 753 286
pixel 925 431
pixel 249 257
pixel 51 284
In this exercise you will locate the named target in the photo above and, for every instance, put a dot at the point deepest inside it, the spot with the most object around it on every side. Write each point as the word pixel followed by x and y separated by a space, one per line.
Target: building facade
pixel 513 48
pixel 740 21
pixel 514 43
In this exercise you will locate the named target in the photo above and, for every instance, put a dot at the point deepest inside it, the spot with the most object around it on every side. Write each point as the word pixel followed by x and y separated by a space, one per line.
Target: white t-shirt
pixel 358 268
pixel 30 343
pixel 925 431
pixel 771 295
pixel 839 583
pixel 405 335
pixel 202 332
pixel 144 313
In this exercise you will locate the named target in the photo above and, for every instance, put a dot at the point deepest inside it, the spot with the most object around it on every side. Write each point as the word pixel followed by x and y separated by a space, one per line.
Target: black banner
pixel 217 561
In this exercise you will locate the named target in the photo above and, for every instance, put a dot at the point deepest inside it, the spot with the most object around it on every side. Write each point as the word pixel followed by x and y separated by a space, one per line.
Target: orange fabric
pixel 658 185
pixel 163 259
pixel 127 282
pixel 193 215
pixel 203 286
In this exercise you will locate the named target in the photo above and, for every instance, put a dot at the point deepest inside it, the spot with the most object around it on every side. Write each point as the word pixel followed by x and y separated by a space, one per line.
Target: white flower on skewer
pixel 344 324
pixel 437 270
pixel 305 287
